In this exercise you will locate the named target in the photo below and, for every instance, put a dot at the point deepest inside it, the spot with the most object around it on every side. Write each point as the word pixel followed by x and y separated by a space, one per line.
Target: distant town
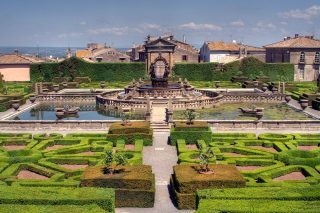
pixel 300 50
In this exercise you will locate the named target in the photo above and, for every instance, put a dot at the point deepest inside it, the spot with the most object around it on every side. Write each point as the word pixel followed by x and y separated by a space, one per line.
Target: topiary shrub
pixel 134 186
pixel 187 180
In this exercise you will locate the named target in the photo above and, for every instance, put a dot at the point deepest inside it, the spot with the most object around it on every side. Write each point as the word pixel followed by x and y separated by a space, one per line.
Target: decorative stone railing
pixel 301 125
pixel 56 125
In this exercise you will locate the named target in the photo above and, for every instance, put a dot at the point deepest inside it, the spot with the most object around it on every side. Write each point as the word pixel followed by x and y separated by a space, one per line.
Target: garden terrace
pixel 34 165
pixel 265 161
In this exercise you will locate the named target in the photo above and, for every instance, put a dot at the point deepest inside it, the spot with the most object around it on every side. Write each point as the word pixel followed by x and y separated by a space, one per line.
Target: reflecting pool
pixel 88 111
pixel 230 111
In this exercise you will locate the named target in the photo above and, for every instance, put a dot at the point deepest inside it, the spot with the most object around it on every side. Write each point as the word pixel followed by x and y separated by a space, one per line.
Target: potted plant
pixel 15 104
pixel 102 84
pixel 264 87
pixel 304 103
pixel 32 98
pixel 56 88
pixel 287 98
pixel 217 84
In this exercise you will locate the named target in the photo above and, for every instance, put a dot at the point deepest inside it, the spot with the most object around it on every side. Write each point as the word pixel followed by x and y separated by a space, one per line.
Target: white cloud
pixel 261 26
pixel 151 26
pixel 306 14
pixel 237 23
pixel 194 26
pixel 110 30
pixel 284 23
pixel 83 23
pixel 68 35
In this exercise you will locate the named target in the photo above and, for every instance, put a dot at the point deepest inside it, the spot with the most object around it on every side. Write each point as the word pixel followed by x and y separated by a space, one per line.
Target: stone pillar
pixel 283 87
pixel 170 103
pixel 148 62
pixel 170 61
pixel 169 114
pixel 41 88
pixel 279 87
pixel 36 89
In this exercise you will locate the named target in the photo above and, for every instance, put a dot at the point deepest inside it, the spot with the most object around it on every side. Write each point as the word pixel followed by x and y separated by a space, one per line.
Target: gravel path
pixel 162 157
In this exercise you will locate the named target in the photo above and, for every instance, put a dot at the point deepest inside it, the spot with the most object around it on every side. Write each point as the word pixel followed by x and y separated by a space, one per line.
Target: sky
pixel 124 23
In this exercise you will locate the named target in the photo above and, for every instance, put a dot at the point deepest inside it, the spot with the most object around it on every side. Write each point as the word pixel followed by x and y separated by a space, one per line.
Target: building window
pixel 301 73
pixel 317 58
pixel 302 58
pixel 184 58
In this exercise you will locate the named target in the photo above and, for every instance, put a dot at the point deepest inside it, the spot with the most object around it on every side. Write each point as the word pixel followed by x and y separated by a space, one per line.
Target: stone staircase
pixel 160 126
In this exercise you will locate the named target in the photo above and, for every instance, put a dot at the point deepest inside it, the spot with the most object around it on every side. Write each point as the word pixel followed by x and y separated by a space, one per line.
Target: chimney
pixel 296 35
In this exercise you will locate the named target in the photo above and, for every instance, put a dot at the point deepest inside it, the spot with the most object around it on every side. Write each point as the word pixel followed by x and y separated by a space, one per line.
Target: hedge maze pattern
pixel 54 160
pixel 269 161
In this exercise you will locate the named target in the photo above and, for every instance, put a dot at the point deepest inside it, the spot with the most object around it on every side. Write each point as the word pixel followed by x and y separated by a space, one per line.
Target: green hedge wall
pixel 96 71
pixel 250 67
pixel 105 198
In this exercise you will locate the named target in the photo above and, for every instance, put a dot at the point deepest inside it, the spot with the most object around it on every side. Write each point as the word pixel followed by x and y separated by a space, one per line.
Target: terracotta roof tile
pixel 300 42
pixel 222 46
pixel 15 59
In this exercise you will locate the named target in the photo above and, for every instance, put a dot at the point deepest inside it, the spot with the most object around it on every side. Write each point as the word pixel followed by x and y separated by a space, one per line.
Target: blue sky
pixel 122 23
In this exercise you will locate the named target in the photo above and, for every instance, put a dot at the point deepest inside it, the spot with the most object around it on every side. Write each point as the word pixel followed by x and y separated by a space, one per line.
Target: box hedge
pixel 105 198
pixel 190 133
pixel 96 71
pixel 134 186
pixel 250 67
pixel 186 180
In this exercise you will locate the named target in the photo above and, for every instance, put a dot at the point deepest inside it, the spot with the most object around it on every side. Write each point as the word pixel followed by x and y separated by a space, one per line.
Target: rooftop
pixel 18 59
pixel 222 46
pixel 296 42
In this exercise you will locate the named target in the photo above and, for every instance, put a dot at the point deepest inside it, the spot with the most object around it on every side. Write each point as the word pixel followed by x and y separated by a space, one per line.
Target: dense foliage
pixel 249 67
pixel 75 67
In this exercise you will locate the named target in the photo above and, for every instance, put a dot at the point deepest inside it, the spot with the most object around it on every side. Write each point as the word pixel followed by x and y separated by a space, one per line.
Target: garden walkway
pixel 162 157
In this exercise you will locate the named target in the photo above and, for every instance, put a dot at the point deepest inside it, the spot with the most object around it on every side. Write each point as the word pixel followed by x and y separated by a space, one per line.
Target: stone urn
pixel 59 113
pixel 15 104
pixel 274 90
pixel 56 88
pixel 304 103
pixel 259 115
pixel 255 84
pixel 102 84
pixel 32 98
pixel 217 84
pixel 264 87
pixel 64 84
pixel 287 98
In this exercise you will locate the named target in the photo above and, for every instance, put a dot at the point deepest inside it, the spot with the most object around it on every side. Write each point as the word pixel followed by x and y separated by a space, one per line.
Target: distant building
pixel 302 51
pixel 183 52
pixel 101 53
pixel 16 67
pixel 221 52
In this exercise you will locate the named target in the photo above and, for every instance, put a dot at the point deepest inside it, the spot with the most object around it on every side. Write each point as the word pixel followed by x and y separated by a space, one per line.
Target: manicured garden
pixel 280 169
pixel 51 164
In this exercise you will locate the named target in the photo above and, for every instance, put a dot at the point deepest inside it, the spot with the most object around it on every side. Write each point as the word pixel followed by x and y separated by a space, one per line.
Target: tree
pixel 118 158
pixel 2 84
pixel 190 115
pixel 205 154
pixel 108 162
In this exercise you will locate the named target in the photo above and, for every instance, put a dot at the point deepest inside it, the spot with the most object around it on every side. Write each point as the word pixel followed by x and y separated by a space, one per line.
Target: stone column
pixel 170 61
pixel 36 89
pixel 279 87
pixel 41 88
pixel 283 87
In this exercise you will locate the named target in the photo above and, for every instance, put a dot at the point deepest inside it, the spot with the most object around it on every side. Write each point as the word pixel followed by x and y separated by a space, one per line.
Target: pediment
pixel 160 43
